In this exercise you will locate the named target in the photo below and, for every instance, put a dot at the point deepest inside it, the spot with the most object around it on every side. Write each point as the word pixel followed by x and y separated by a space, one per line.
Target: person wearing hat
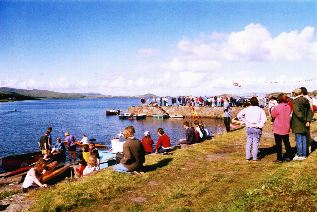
pixel 147 143
pixel 71 147
pixel 301 118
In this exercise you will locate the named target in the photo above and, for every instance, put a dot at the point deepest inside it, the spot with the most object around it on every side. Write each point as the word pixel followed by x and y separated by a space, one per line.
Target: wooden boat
pixel 141 116
pixel 56 157
pixel 14 162
pixel 55 172
pixel 98 146
pixel 177 116
pixel 126 116
pixel 161 116
pixel 106 158
pixel 112 112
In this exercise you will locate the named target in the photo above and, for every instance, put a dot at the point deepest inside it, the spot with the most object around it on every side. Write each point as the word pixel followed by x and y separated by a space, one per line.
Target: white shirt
pixel 84 140
pixel 253 116
pixel 199 131
pixel 89 169
pixel 30 178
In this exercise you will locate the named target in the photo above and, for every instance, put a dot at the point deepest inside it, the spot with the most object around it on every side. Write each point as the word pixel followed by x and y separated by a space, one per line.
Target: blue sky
pixel 163 47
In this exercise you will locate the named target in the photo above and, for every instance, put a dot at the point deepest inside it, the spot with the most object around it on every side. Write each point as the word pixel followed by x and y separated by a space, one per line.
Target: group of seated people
pixel 133 153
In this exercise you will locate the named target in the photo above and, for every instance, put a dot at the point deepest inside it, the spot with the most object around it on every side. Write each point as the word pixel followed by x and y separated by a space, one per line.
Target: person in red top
pixel 147 142
pixel 163 144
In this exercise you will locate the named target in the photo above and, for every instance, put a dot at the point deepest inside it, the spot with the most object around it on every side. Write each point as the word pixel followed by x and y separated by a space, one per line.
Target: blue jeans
pixel 253 140
pixel 120 168
pixel 301 140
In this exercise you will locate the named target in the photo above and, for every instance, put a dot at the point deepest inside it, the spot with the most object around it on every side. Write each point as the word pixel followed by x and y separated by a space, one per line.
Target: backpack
pixel 43 142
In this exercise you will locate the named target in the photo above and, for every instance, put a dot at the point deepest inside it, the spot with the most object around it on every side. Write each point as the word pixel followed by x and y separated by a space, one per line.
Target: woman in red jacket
pixel 147 142
pixel 163 144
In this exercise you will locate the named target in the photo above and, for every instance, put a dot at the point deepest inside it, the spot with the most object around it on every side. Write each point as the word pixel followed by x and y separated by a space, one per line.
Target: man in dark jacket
pixel 301 118
pixel 133 153
pixel 190 135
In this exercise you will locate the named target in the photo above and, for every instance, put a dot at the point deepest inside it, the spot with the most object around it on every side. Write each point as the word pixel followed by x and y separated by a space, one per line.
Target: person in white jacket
pixel 254 118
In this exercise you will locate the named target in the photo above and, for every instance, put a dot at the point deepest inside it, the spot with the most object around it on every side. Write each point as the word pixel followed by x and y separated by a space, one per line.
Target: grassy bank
pixel 204 177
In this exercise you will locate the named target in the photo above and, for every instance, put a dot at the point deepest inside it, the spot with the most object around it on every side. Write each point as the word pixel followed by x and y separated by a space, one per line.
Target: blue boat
pixel 106 158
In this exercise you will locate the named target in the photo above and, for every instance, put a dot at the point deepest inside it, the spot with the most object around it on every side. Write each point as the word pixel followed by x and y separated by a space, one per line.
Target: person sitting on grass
pixel 163 144
pixel 94 151
pixel 92 166
pixel 33 177
pixel 147 142
pixel 78 170
pixel 190 135
pixel 86 153
pixel 133 153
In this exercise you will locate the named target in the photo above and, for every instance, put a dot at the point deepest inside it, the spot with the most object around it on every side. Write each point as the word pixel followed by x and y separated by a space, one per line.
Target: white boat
pixel 160 116
pixel 177 116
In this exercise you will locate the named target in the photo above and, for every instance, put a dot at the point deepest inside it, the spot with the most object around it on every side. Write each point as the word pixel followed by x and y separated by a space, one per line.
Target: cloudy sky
pixel 162 47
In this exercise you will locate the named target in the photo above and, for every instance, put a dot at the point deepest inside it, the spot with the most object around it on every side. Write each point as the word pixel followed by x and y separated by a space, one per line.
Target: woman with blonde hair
pixel 92 166
pixel 133 153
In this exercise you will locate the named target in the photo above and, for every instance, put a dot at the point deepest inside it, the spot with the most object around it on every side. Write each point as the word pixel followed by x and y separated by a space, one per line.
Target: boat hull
pixel 14 162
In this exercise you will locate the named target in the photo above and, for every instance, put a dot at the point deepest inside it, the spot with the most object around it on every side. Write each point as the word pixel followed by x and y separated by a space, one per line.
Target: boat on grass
pixel 14 162
pixel 106 158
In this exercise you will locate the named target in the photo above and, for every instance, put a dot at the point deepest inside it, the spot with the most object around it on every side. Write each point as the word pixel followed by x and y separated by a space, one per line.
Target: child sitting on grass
pixel 92 166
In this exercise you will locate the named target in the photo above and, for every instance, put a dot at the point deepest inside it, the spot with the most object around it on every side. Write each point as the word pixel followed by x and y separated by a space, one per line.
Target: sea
pixel 22 123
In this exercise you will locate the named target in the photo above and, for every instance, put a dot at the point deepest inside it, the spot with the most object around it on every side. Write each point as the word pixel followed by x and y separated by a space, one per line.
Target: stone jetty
pixel 203 112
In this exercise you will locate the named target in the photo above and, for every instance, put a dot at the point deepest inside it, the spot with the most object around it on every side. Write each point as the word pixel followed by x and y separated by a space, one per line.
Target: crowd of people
pixel 285 113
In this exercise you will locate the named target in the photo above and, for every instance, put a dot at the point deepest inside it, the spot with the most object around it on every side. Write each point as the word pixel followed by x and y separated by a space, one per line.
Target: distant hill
pixel 35 93
pixel 14 97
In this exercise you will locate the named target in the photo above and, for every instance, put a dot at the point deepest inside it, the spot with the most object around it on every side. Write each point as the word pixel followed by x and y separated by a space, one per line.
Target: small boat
pixel 177 116
pixel 161 116
pixel 56 173
pixel 126 116
pixel 141 116
pixel 106 158
pixel 99 146
pixel 14 162
pixel 112 112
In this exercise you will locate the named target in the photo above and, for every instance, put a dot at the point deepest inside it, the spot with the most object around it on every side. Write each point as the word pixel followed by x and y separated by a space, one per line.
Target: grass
pixel 5 194
pixel 211 176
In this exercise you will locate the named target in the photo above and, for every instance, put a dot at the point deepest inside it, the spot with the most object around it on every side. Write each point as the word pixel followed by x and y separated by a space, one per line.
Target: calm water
pixel 20 130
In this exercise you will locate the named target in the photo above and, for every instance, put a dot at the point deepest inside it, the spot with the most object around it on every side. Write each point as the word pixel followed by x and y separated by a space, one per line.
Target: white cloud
pixel 148 52
pixel 254 43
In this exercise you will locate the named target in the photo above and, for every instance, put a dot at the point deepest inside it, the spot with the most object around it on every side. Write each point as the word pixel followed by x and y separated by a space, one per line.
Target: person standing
pixel 280 114
pixel 254 118
pixel 44 143
pixel 133 153
pixel 226 115
pixel 71 147
pixel 301 118
pixel 50 141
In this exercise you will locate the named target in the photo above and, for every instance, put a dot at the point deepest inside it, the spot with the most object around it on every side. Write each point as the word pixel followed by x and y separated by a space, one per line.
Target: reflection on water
pixel 20 131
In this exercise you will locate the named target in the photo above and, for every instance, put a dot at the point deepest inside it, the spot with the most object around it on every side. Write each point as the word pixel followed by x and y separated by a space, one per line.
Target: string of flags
pixel 237 84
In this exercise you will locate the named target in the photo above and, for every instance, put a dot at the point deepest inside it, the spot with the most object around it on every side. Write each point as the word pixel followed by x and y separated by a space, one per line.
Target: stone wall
pixel 206 112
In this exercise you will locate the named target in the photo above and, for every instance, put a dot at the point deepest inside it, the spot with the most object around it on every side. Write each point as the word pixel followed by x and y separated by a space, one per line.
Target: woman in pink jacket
pixel 281 127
